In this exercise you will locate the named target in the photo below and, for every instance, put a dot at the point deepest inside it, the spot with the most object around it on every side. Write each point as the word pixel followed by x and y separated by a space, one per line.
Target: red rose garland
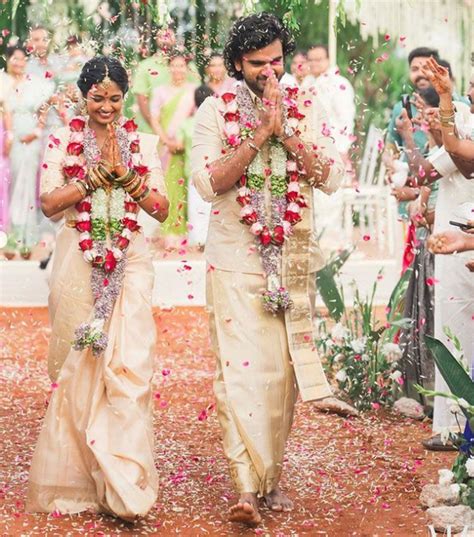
pixel 287 200
pixel 75 170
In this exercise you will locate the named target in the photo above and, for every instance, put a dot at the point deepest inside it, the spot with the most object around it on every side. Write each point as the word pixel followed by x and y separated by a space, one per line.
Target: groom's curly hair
pixel 253 33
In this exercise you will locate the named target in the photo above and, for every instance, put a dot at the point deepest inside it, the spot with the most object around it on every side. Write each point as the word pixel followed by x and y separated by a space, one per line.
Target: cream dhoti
pixel 95 450
pixel 263 360
pixel 255 383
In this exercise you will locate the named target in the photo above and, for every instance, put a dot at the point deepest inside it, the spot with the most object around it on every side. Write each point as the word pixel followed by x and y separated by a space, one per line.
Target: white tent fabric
pixel 447 25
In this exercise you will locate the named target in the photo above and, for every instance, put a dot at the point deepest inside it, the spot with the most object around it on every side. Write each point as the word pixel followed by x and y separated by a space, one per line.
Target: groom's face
pixel 254 65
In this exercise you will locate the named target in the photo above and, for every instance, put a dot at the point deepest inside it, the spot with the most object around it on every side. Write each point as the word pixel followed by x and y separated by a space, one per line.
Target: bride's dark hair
pixel 96 69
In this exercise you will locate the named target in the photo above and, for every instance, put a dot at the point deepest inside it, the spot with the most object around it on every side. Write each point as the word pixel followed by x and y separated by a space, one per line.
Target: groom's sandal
pixel 436 444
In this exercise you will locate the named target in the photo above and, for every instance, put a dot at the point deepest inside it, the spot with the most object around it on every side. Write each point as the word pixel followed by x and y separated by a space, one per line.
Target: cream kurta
pixel 95 449
pixel 258 353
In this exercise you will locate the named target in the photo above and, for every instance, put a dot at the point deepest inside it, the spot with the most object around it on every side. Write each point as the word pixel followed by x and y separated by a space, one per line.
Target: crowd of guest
pixel 38 94
pixel 428 154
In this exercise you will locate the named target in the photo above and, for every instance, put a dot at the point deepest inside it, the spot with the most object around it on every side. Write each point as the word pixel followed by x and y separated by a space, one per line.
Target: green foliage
pixel 364 371
pixel 459 468
pixel 329 292
pixel 327 287
pixel 396 306
pixel 453 372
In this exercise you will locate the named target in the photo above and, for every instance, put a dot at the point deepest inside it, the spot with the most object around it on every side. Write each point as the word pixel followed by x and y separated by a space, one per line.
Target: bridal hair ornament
pixel 106 80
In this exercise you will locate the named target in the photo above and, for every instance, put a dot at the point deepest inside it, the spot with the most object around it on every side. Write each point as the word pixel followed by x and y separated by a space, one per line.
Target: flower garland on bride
pixel 287 202
pixel 106 221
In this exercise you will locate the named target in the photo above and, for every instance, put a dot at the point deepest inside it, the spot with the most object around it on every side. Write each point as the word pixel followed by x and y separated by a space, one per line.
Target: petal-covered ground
pixel 357 477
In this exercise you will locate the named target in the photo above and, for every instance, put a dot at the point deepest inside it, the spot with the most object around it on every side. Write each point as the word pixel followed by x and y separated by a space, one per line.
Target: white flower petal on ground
pixel 455 488
pixel 396 375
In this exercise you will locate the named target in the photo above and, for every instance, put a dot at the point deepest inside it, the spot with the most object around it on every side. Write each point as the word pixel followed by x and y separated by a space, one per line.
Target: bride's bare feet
pixel 277 501
pixel 246 510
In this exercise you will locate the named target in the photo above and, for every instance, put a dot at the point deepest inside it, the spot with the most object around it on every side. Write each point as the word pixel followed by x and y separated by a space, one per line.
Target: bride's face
pixel 104 103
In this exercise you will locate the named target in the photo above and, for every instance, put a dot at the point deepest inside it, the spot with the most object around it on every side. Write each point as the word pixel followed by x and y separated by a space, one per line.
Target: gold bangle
pixel 451 110
pixel 253 146
pixel 90 181
pixel 146 193
pixel 126 178
pixel 447 123
pixel 81 187
pixel 132 185
pixel 103 176
pixel 104 172
pixel 137 190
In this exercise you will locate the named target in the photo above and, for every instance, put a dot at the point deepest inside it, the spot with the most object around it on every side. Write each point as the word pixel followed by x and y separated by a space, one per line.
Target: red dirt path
pixel 347 477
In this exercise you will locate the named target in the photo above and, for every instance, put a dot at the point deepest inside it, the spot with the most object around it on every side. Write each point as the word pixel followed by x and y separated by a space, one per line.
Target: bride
pixel 95 450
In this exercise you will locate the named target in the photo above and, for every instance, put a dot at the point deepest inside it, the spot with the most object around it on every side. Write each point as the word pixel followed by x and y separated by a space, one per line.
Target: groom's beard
pixel 257 85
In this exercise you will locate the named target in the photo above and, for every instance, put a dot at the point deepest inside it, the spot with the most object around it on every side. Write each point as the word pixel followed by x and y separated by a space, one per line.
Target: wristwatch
pixel 288 132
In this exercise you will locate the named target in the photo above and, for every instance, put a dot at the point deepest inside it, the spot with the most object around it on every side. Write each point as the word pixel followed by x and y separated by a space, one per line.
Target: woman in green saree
pixel 170 105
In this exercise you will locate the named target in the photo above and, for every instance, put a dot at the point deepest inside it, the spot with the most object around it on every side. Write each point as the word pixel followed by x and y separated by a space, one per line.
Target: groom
pixel 257 154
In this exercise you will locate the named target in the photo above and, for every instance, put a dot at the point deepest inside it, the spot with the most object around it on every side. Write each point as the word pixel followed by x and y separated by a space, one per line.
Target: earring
pixel 83 108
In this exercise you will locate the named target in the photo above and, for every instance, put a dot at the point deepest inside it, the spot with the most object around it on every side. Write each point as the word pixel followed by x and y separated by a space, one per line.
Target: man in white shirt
pixel 337 96
pixel 454 285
